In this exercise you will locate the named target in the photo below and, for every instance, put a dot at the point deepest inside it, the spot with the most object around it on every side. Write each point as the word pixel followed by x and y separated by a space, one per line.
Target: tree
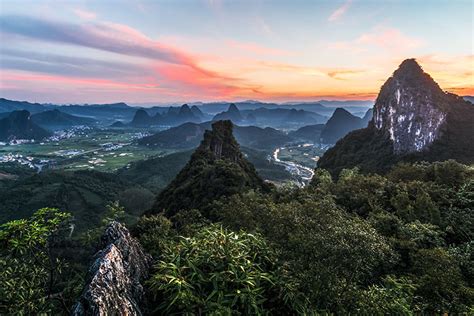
pixel 220 271
pixel 28 267
pixel 330 251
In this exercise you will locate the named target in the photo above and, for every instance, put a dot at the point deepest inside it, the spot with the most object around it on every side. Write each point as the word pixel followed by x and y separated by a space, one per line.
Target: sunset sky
pixel 208 50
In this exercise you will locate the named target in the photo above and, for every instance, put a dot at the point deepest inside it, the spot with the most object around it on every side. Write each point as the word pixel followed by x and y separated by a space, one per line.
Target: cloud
pixel 342 74
pixel 177 70
pixel 68 65
pixel 339 12
pixel 263 27
pixel 388 39
pixel 115 38
pixel 85 14
pixel 75 82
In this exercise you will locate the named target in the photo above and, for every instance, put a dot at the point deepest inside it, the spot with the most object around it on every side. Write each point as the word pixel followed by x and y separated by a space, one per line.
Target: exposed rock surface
pixel 409 108
pixel 413 120
pixel 114 281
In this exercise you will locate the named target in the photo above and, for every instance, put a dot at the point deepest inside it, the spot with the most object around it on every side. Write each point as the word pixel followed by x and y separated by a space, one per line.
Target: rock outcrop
pixel 114 281
pixel 217 168
pixel 408 108
pixel 413 120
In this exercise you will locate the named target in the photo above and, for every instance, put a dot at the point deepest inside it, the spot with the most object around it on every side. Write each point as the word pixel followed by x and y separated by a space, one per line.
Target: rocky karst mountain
pixel 411 108
pixel 233 114
pixel 217 168
pixel 340 123
pixel 367 117
pixel 18 125
pixel 197 112
pixel 413 120
pixel 114 284
pixel 55 119
pixel 141 119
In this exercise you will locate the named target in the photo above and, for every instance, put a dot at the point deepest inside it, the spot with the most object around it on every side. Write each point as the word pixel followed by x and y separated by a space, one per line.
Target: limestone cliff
pixel 409 108
pixel 414 119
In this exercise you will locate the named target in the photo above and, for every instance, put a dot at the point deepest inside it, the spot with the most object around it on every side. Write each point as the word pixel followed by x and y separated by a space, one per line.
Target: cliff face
pixel 113 286
pixel 220 142
pixel 413 120
pixel 409 109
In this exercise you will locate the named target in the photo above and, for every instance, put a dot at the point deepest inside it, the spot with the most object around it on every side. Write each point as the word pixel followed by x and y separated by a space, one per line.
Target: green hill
pixel 217 168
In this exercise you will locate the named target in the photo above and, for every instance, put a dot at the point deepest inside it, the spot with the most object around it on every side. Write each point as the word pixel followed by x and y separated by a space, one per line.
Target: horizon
pixel 162 52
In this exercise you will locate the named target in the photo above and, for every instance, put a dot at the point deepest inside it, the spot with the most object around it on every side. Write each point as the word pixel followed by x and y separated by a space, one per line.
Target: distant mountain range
pixel 189 135
pixel 413 120
pixel 172 117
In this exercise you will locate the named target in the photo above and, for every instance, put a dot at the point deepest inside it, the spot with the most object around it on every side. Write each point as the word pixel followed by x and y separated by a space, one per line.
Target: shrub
pixel 218 271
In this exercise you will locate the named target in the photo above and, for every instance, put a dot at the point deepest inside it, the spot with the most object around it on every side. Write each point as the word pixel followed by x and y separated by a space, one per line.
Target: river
pixel 302 173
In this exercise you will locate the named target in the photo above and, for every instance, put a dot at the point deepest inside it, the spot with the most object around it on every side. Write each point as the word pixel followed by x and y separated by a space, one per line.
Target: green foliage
pixel 392 297
pixel 330 250
pixel 82 193
pixel 216 169
pixel 218 271
pixel 114 212
pixel 28 268
pixel 153 231
pixel 136 200
pixel 441 287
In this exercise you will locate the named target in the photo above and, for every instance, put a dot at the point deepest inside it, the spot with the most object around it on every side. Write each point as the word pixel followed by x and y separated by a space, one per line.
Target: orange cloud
pixel 64 80
pixel 343 73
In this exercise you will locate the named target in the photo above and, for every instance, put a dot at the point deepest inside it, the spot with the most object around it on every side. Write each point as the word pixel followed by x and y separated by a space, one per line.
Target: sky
pixel 139 51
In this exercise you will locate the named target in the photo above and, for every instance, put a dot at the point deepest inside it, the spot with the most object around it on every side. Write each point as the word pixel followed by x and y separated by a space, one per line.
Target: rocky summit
pixel 414 119
pixel 113 286
pixel 408 108
pixel 217 168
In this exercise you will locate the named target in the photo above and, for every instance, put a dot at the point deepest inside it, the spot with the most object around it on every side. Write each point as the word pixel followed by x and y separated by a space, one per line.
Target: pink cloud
pixel 389 39
pixel 339 12
pixel 85 14
pixel 64 80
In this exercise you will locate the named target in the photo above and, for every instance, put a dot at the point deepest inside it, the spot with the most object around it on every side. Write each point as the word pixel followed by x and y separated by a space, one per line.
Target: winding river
pixel 302 173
